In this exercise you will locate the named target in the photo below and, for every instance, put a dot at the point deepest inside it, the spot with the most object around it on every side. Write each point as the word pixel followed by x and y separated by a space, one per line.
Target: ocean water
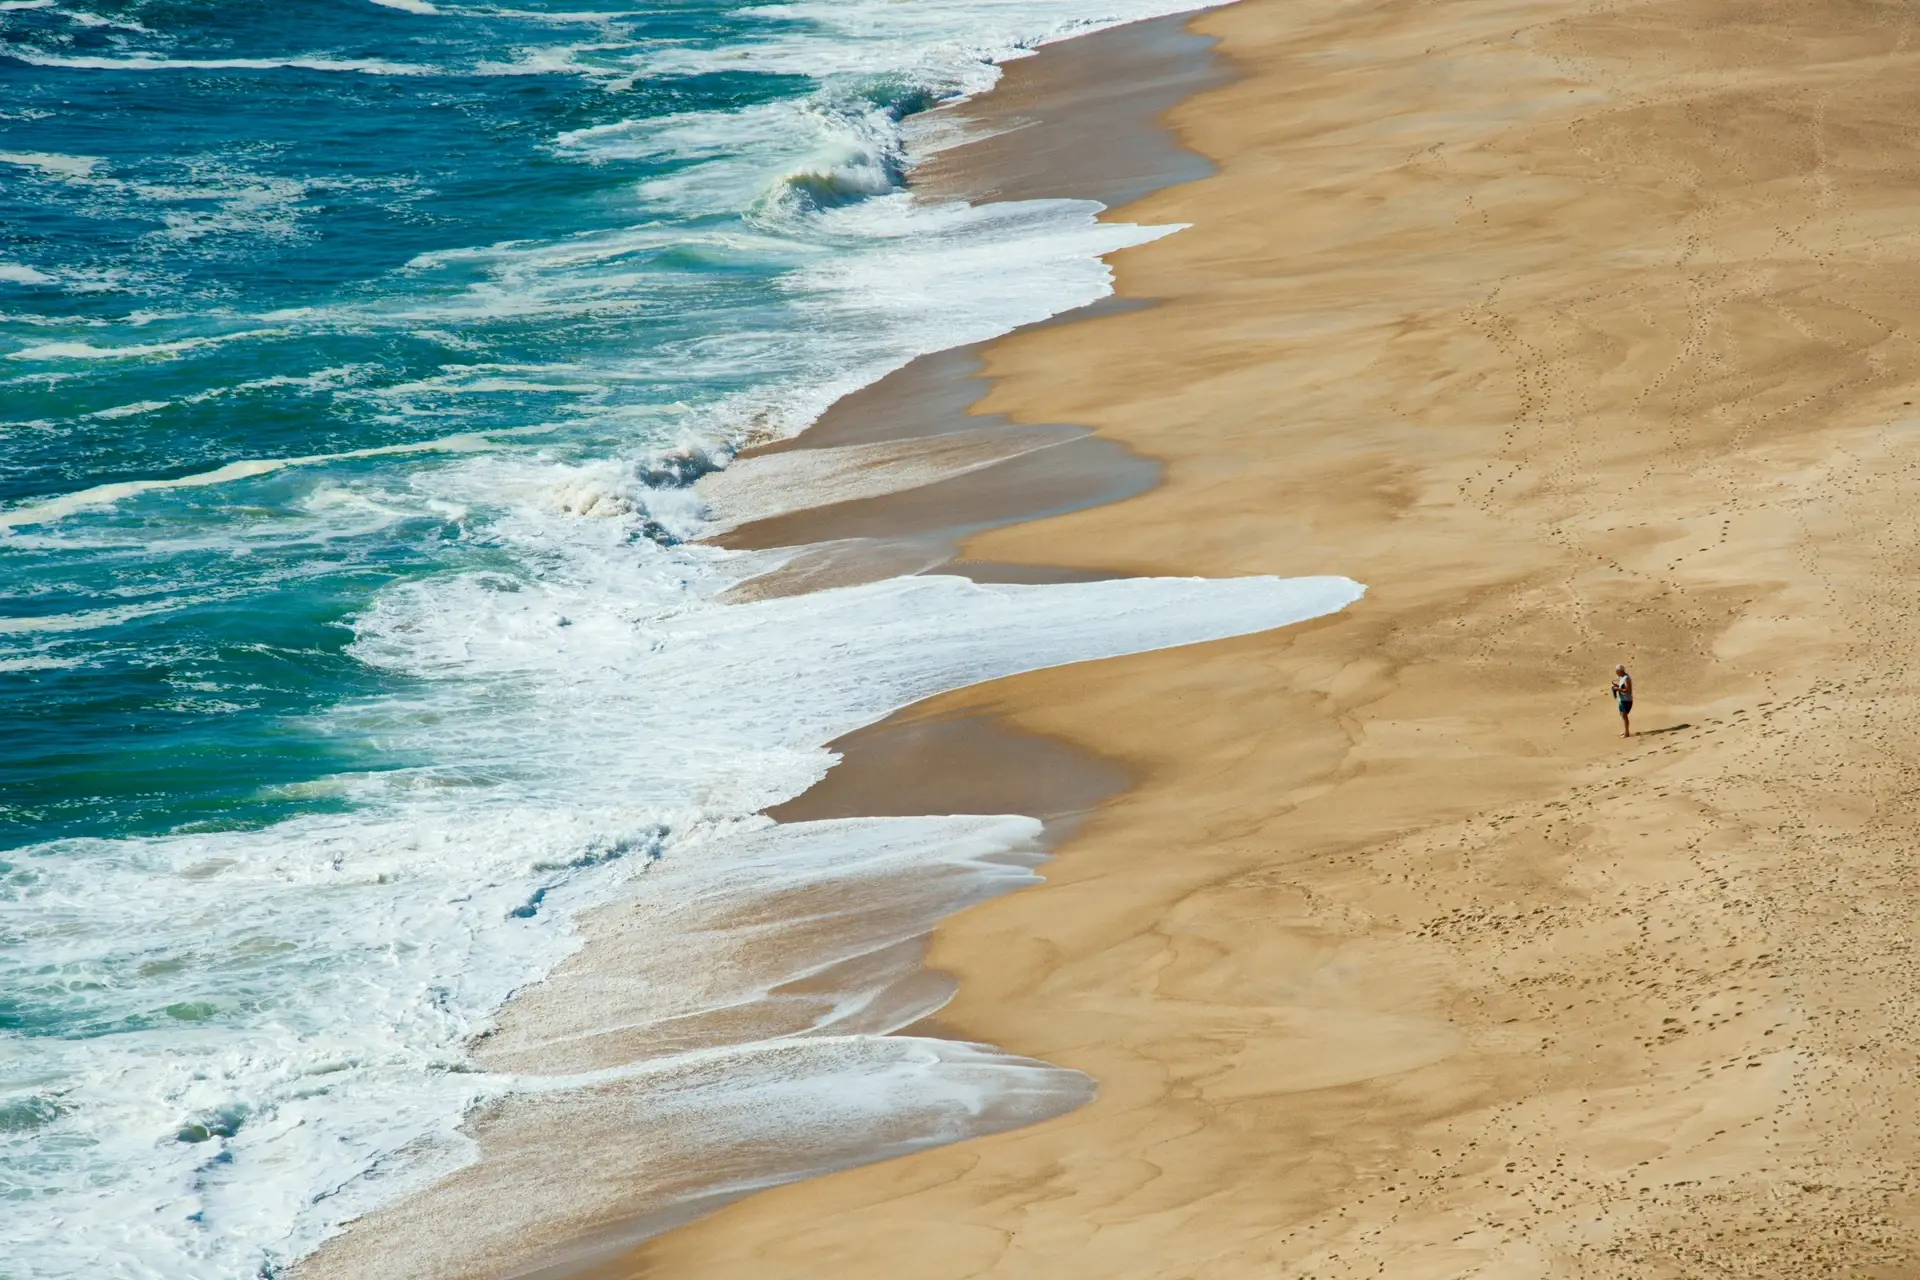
pixel 356 361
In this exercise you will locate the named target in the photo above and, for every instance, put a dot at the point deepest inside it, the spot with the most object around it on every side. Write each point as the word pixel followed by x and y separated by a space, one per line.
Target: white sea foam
pixel 83 18
pixel 87 351
pixel 729 156
pixel 134 410
pixel 950 46
pixel 244 203
pixel 51 163
pixel 38 662
pixel 17 273
pixel 547 60
pixel 205 196
pixel 883 279
pixel 336 378
pixel 745 931
pixel 557 17
pixel 475 860
pixel 48 510
pixel 93 619
pixel 726 1029
pixel 364 66
pixel 486 380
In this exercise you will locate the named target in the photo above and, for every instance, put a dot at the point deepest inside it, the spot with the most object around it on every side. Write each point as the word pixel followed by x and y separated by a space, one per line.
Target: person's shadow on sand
pixel 1672 728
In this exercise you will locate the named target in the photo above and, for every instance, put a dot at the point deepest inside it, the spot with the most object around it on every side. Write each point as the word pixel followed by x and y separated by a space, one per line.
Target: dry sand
pixel 1581 333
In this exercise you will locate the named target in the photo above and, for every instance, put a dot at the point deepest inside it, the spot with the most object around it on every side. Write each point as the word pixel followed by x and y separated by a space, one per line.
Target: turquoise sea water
pixel 233 233
pixel 356 360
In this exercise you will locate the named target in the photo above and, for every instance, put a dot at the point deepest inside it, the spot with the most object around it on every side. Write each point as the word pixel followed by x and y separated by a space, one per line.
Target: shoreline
pixel 1572 333
pixel 962 469
pixel 927 472
pixel 953 754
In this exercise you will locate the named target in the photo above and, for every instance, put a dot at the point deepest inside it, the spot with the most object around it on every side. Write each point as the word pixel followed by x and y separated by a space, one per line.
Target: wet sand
pixel 932 467
pixel 1580 334
pixel 1082 119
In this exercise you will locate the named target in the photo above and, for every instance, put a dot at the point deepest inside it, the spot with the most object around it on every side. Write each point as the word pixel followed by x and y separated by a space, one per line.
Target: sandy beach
pixel 1581 335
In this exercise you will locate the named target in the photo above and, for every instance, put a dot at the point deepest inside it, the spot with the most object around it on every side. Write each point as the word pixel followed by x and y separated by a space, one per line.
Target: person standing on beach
pixel 1623 694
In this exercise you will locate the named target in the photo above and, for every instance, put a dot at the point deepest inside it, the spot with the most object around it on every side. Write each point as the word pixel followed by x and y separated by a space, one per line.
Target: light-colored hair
pixel 1619 671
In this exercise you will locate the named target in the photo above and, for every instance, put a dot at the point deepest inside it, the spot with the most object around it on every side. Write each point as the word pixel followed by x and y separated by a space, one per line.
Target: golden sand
pixel 1581 333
